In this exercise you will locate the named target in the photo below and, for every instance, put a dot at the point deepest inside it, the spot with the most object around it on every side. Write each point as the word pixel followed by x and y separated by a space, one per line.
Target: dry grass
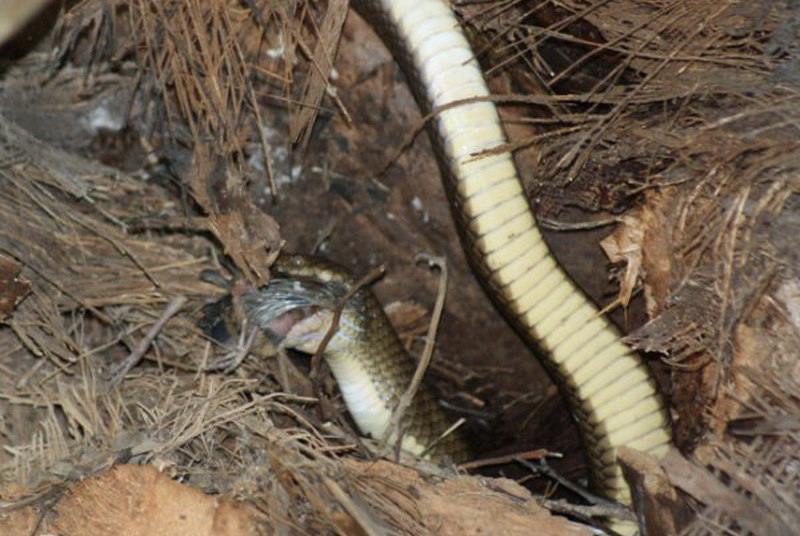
pixel 686 110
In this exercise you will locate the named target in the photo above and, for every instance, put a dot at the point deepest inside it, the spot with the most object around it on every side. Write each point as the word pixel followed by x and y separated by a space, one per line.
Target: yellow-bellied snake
pixel 370 364
pixel 610 391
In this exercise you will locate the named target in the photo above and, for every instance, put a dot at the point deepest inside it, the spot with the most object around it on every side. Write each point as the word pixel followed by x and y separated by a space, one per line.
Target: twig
pixel 266 148
pixel 587 512
pixel 542 468
pixel 136 355
pixel 537 454
pixel 425 359
pixel 359 515
pixel 604 507
pixel 554 225
pixel 451 429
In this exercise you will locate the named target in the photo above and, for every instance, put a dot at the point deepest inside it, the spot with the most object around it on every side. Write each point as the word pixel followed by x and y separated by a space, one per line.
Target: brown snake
pixel 610 391
pixel 370 364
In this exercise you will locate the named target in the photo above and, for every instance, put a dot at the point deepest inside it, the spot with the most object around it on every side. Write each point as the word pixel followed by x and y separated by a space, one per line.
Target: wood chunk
pixel 661 510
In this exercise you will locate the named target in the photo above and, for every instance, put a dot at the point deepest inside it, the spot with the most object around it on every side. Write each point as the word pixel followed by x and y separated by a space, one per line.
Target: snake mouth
pixel 296 313
pixel 293 313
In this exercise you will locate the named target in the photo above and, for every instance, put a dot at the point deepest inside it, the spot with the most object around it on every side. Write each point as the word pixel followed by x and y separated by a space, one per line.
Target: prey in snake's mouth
pixel 310 306
pixel 297 314
pixel 291 314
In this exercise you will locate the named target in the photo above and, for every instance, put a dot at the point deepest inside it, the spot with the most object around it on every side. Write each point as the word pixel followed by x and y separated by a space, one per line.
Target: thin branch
pixel 425 359
pixel 136 355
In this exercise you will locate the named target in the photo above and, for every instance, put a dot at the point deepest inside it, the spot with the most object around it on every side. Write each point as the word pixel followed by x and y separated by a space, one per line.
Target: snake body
pixel 610 391
pixel 365 355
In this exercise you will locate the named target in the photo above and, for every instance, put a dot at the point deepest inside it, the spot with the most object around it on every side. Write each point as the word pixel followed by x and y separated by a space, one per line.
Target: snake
pixel 365 354
pixel 611 393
